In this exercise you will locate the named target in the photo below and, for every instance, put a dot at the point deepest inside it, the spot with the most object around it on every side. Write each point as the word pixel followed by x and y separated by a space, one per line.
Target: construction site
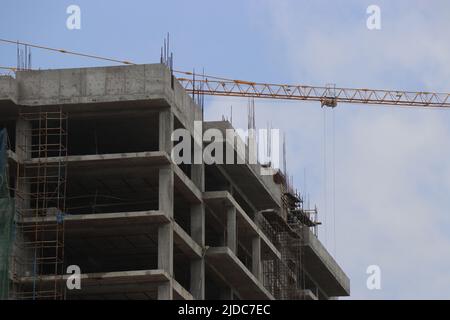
pixel 295 151
pixel 87 180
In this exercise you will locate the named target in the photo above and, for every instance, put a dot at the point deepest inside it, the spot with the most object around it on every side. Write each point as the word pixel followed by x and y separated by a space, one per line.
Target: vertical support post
pixel 23 139
pixel 166 198
pixel 198 235
pixel 165 231
pixel 256 257
pixel 198 265
pixel 166 127
pixel 198 278
pixel 165 291
pixel 231 229
pixel 198 224
pixel 198 210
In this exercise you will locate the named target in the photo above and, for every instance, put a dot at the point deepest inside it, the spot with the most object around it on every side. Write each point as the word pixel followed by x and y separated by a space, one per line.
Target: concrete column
pixel 165 232
pixel 198 176
pixel 198 265
pixel 231 229
pixel 198 224
pixel 198 168
pixel 198 279
pixel 166 190
pixel 166 126
pixel 198 235
pixel 256 257
pixel 165 248
pixel 23 139
pixel 165 291
pixel 198 210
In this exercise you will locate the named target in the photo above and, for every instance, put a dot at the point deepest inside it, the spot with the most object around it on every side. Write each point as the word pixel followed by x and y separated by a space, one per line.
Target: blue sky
pixel 391 165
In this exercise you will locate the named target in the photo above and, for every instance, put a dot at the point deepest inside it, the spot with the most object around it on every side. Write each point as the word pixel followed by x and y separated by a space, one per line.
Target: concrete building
pixel 90 172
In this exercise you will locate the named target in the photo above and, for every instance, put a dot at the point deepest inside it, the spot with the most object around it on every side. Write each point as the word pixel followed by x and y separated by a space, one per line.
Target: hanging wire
pixel 65 51
pixel 325 195
pixel 334 179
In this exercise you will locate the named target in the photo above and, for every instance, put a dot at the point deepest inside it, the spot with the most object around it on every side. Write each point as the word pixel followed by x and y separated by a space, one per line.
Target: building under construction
pixel 88 180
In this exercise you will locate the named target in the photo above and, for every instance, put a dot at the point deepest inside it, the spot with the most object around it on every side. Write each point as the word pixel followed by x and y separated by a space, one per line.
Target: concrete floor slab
pixel 323 268
pixel 111 285
pixel 224 261
pixel 115 159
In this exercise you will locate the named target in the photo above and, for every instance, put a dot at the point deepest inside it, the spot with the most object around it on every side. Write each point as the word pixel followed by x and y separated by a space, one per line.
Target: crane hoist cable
pixel 329 97
pixel 333 177
pixel 325 173
pixel 65 51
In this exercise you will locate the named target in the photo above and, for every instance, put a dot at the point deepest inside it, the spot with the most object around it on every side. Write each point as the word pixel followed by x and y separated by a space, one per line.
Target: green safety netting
pixel 6 218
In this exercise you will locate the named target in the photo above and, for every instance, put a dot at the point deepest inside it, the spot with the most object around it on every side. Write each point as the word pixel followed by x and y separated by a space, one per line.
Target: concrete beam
pixel 131 159
pixel 8 89
pixel 180 293
pixel 96 221
pixel 236 274
pixel 105 283
pixel 93 85
pixel 185 243
pixel 246 225
pixel 187 188
pixel 155 275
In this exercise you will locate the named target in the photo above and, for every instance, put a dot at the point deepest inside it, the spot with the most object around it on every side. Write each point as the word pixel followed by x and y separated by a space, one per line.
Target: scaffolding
pixel 291 264
pixel 285 278
pixel 40 205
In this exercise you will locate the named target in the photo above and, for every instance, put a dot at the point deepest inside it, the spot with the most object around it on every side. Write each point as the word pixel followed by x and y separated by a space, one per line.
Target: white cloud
pixel 392 173
pixel 393 200
pixel 392 177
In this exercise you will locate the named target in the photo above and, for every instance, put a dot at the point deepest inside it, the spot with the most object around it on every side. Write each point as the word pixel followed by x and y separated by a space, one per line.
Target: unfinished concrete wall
pixel 8 88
